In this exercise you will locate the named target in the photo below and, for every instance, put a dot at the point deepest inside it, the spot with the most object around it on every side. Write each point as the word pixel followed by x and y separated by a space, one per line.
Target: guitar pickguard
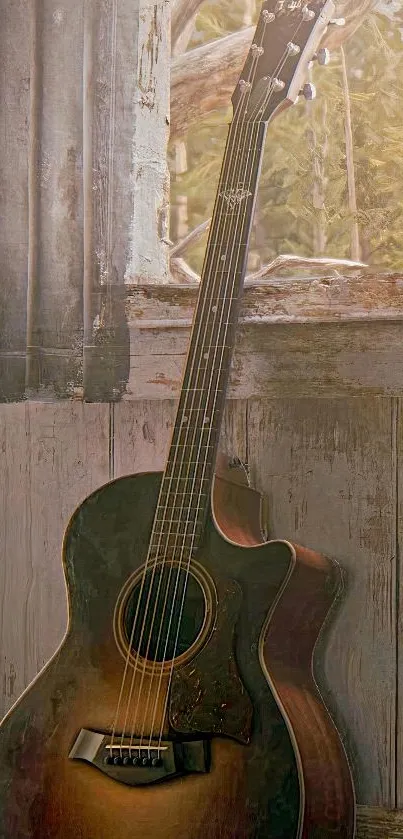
pixel 207 694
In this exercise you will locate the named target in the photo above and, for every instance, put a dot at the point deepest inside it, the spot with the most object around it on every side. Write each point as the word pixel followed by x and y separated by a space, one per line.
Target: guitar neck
pixel 189 471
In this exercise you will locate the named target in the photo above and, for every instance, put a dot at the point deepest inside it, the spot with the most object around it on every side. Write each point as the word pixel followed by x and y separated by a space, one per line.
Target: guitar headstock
pixel 287 38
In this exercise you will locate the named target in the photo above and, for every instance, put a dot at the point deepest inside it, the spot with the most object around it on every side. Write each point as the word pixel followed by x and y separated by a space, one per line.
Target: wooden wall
pixel 330 471
pixel 84 102
pixel 315 412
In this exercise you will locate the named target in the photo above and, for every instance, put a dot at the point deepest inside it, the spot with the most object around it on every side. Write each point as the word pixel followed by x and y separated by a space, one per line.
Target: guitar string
pixel 194 480
pixel 249 136
pixel 162 560
pixel 252 146
pixel 174 464
pixel 213 342
pixel 148 563
pixel 172 477
pixel 178 624
pixel 167 546
pixel 144 576
pixel 172 568
pixel 187 529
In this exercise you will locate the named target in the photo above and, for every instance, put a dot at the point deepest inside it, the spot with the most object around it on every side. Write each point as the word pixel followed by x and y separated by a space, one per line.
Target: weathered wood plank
pixel 112 114
pixel 55 292
pixel 288 341
pixel 51 457
pixel 142 433
pixel 110 105
pixel 15 30
pixel 148 249
pixel 276 360
pixel 325 299
pixel 329 472
pixel 374 823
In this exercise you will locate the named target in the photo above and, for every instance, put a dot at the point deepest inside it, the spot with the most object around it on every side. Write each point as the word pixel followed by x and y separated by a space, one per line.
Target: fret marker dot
pixel 185 419
pixel 206 420
pixel 223 256
pixel 214 308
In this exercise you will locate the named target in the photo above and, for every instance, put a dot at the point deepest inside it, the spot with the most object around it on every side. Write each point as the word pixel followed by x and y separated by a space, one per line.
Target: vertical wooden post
pixel 88 195
pixel 15 17
pixel 148 248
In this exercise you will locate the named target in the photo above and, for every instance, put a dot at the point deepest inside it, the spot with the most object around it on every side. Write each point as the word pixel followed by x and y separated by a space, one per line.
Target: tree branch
pixel 295 261
pixel 192 237
pixel 182 273
pixel 183 13
pixel 203 79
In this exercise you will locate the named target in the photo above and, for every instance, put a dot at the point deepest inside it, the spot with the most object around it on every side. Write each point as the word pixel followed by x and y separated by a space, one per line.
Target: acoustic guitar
pixel 182 702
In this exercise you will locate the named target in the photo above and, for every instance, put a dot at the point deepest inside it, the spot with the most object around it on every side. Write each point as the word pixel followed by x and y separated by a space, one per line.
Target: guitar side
pixel 290 780
pixel 287 645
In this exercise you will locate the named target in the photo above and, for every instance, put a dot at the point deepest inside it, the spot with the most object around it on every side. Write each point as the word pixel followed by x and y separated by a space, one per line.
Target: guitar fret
pixel 174 534
pixel 199 390
pixel 177 531
pixel 193 480
pixel 220 244
pixel 198 420
pixel 165 478
pixel 174 494
pixel 188 463
pixel 186 445
pixel 174 541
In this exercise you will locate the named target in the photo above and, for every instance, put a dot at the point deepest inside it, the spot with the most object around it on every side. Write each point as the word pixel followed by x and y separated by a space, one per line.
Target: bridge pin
pixel 156 762
pixel 126 760
pixel 145 761
pixel 117 760
pixel 135 761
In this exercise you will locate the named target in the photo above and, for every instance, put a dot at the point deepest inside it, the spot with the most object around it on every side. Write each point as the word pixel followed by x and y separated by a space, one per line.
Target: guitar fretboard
pixel 187 479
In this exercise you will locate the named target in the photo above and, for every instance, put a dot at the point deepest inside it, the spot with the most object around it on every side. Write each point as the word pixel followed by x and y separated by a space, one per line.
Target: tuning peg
pixel 277 85
pixel 308 91
pixel 322 56
pixel 308 14
pixel 338 21
pixel 293 49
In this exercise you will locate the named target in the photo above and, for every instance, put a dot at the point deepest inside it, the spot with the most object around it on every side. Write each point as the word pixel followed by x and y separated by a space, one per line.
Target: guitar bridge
pixel 136 764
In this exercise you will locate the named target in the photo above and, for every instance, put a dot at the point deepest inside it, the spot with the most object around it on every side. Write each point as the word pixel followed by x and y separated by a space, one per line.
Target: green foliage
pixel 304 187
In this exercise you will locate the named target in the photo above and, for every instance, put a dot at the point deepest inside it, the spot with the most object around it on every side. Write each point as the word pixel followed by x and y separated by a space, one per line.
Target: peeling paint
pixel 58 16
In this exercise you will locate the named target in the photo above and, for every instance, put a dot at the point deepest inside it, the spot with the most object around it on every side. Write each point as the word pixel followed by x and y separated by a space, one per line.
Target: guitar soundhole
pixel 171 614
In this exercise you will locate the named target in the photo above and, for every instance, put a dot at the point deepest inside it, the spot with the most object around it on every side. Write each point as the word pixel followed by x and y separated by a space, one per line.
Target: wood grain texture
pixel 375 823
pixel 328 298
pixel 14 95
pixel 147 258
pixel 142 432
pixel 328 469
pixel 115 109
pixel 52 456
pixel 57 315
pixel 293 360
pixel 288 349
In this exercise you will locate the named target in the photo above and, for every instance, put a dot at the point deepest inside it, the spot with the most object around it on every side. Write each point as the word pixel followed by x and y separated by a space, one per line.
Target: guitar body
pixel 277 769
